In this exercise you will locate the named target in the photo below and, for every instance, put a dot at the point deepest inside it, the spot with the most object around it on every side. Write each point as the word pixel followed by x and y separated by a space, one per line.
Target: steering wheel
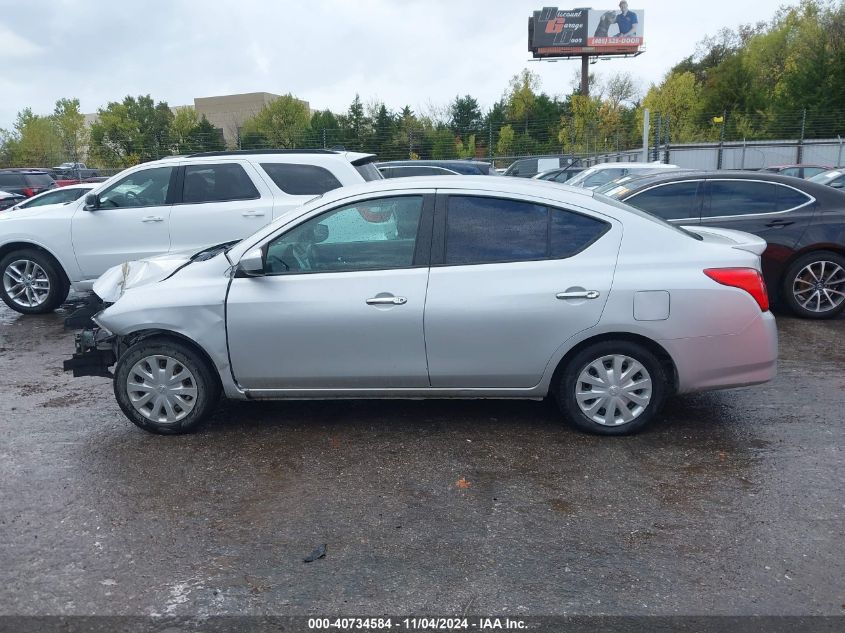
pixel 133 199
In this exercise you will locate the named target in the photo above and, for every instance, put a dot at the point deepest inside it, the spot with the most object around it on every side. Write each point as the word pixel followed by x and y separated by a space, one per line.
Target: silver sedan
pixel 440 287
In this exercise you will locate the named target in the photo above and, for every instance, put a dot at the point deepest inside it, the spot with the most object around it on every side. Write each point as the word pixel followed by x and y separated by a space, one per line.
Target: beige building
pixel 229 112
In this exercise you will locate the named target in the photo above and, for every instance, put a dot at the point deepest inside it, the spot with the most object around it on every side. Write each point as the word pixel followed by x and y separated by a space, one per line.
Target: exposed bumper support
pixel 94 354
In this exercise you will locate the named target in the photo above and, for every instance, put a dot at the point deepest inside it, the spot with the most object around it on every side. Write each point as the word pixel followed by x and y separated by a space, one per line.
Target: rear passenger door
pixel 218 202
pixel 511 281
pixel 778 213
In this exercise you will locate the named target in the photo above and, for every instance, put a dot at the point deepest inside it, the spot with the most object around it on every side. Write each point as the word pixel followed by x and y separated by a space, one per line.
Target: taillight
pixel 747 279
pixel 28 192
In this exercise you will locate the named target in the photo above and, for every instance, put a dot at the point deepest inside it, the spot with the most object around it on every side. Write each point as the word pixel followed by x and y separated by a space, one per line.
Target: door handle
pixel 580 294
pixel 252 214
pixel 152 218
pixel 778 223
pixel 381 301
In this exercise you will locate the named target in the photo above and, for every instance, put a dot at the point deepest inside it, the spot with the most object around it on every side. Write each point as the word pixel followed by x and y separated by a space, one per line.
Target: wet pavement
pixel 731 503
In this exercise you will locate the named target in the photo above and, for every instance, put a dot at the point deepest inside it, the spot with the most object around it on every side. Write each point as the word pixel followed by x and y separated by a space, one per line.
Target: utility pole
pixel 646 132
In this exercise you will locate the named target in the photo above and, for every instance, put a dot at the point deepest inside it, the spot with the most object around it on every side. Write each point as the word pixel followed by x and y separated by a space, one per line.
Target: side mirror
pixel 252 263
pixel 837 184
pixel 92 201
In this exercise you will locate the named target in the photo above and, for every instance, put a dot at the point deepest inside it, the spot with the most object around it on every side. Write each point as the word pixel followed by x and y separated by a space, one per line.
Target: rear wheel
pixel 612 388
pixel 814 286
pixel 31 282
pixel 165 387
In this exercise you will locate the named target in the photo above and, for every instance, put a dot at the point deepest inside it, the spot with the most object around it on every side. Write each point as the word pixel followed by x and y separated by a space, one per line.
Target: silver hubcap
pixel 820 286
pixel 613 390
pixel 26 283
pixel 161 389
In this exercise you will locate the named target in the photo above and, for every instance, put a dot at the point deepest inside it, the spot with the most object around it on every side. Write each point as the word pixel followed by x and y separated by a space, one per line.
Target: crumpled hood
pixel 117 279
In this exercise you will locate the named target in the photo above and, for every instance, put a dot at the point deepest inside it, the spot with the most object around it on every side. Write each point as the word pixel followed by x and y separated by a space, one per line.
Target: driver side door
pixel 132 221
pixel 340 304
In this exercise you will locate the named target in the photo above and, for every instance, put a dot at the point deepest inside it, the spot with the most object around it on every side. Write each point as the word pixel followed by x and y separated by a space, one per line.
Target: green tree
pixel 325 129
pixel 205 137
pixel 465 116
pixel 185 121
pixel 132 131
pixel 522 96
pixel 504 146
pixel 69 125
pixel 282 123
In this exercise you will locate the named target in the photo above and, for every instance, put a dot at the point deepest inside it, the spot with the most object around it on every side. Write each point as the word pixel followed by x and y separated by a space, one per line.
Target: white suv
pixel 175 204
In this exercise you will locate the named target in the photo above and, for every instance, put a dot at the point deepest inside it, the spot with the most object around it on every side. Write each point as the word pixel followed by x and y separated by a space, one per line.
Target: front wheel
pixel 165 387
pixel 814 286
pixel 32 282
pixel 612 388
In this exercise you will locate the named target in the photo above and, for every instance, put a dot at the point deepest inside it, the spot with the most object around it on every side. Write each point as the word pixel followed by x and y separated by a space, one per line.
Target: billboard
pixel 554 32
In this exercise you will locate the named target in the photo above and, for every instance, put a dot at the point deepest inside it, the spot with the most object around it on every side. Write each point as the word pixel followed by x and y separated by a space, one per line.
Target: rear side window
pixel 676 201
pixel 483 230
pixel 488 230
pixel 40 180
pixel 570 233
pixel 11 180
pixel 369 171
pixel 217 183
pixel 789 198
pixel 740 197
pixel 302 180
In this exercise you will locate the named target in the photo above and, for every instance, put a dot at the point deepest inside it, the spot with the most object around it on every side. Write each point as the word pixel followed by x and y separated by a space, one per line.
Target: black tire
pixel 569 379
pixel 204 379
pixel 58 285
pixel 797 278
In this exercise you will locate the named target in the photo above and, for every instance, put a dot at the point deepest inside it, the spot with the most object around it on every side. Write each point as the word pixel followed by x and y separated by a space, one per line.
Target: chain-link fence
pixel 723 140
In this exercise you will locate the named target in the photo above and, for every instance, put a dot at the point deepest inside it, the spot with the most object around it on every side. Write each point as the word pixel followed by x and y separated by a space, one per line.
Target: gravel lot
pixel 732 503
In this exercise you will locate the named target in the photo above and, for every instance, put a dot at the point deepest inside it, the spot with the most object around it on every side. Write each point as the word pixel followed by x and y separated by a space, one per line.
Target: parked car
pixel 8 200
pixel 834 178
pixel 26 182
pixel 558 175
pixel 60 195
pixel 528 167
pixel 168 205
pixel 75 170
pixel 798 170
pixel 406 168
pixel 802 221
pixel 598 175
pixel 440 287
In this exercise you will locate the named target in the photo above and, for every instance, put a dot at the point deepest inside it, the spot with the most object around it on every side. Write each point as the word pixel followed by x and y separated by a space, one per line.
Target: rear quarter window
pixel 40 180
pixel 303 180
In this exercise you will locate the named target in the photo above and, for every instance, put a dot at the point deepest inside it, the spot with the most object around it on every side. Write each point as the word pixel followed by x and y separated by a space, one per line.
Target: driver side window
pixel 145 188
pixel 368 235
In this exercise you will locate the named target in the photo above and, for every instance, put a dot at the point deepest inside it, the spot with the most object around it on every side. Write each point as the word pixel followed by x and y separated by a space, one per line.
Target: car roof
pixel 629 165
pixel 814 188
pixel 355 158
pixel 25 170
pixel 788 165
pixel 449 161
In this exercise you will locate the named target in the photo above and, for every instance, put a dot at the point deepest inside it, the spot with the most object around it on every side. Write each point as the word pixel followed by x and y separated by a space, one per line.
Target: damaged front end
pixel 95 351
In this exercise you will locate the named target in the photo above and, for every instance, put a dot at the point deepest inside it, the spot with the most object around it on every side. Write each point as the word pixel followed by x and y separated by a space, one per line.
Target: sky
pixel 417 52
